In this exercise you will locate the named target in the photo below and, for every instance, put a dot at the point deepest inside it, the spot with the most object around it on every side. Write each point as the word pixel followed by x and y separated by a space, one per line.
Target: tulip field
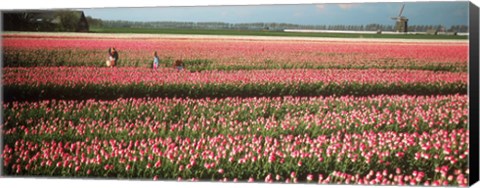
pixel 224 54
pixel 270 111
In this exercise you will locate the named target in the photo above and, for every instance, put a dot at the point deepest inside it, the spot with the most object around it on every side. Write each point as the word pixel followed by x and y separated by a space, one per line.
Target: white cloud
pixel 346 6
pixel 320 7
pixel 343 6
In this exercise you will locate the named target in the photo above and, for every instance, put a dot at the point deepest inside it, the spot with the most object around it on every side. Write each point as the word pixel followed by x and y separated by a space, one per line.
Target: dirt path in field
pixel 221 37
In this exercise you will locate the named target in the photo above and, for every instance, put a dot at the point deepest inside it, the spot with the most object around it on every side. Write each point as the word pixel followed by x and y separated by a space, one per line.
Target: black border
pixel 473 94
pixel 1 92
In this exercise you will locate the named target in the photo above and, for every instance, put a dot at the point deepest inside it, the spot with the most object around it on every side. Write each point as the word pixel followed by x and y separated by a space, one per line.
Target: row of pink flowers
pixel 221 154
pixel 245 52
pixel 241 115
pixel 84 75
pixel 211 139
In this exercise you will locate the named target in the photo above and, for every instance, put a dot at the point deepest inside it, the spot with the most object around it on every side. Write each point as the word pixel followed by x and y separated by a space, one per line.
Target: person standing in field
pixel 113 57
pixel 178 64
pixel 155 60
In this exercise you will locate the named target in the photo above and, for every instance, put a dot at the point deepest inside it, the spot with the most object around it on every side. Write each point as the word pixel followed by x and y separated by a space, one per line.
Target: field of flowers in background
pixel 390 113
pixel 222 54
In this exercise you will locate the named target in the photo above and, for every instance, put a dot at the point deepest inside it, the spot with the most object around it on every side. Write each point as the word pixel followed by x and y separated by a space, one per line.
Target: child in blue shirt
pixel 155 60
pixel 179 64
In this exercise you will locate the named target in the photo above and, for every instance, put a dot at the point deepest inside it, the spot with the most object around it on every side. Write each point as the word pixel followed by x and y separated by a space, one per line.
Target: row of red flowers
pixel 85 75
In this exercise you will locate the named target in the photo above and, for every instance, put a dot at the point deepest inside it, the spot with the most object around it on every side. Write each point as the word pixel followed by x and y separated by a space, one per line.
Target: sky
pixel 418 13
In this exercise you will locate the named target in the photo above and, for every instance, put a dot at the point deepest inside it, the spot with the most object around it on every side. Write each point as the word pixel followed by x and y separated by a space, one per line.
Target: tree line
pixel 72 21
pixel 44 20
pixel 264 26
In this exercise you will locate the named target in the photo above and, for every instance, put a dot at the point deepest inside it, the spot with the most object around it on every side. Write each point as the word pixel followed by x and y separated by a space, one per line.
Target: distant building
pixel 43 20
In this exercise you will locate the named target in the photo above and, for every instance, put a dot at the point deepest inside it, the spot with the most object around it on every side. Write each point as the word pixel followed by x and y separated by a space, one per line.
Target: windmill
pixel 401 21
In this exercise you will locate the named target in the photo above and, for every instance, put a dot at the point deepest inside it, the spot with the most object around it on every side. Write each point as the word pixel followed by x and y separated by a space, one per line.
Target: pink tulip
pixel 293 174
pixel 309 177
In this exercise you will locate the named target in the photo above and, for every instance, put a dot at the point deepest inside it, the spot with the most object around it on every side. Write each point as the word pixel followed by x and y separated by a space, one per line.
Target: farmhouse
pixel 46 20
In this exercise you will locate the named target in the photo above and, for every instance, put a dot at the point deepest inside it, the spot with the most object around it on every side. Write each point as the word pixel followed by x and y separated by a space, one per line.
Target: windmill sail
pixel 401 10
pixel 401 21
